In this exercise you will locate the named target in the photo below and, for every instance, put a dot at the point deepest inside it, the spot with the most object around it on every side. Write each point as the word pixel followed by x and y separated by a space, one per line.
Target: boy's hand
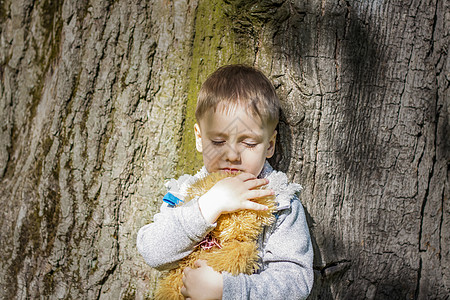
pixel 202 282
pixel 232 194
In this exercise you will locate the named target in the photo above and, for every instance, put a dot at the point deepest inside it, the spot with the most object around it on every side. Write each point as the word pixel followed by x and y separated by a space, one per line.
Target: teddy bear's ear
pixel 198 138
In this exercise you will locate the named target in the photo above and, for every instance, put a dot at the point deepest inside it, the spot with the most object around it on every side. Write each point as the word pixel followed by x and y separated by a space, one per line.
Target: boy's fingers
pixel 254 206
pixel 252 184
pixel 183 291
pixel 253 194
pixel 200 263
pixel 245 176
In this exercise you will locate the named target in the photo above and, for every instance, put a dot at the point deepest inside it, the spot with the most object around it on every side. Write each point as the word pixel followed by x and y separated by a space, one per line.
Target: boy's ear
pixel 271 148
pixel 198 138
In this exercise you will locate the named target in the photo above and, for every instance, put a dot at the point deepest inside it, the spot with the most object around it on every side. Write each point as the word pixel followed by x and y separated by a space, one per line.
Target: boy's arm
pixel 172 235
pixel 287 257
pixel 176 231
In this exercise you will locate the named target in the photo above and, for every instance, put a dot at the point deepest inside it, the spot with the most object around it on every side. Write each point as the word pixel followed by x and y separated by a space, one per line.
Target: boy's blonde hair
pixel 239 85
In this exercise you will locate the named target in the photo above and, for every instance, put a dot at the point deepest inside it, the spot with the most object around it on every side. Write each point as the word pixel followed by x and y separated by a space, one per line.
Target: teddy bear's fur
pixel 236 233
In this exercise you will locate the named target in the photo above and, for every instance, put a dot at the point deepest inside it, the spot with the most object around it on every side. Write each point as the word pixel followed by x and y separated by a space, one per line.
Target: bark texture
pixel 97 101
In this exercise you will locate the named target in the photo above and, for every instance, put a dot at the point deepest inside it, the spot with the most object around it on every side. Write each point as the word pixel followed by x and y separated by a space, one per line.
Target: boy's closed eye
pixel 217 142
pixel 250 144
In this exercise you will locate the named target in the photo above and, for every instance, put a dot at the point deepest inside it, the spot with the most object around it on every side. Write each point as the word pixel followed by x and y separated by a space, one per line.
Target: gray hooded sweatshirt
pixel 285 248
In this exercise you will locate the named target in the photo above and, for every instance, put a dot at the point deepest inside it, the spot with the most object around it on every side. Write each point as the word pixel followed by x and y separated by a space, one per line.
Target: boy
pixel 237 112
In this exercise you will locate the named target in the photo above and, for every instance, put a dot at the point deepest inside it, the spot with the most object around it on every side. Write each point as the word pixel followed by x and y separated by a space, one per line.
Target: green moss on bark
pixel 216 43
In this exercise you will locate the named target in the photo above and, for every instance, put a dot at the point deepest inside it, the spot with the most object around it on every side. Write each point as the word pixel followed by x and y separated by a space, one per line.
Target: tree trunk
pixel 97 100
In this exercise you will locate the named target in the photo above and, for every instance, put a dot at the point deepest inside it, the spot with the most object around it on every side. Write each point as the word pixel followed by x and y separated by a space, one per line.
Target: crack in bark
pixel 334 268
pixel 440 224
pixel 319 116
pixel 104 279
pixel 419 276
pixel 438 113
pixel 433 30
pixel 427 192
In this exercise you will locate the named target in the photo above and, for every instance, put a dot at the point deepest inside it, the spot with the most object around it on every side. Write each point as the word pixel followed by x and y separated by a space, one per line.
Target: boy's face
pixel 234 140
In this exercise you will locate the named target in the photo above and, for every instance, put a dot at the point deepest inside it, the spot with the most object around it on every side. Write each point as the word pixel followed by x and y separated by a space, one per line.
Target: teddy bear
pixel 231 246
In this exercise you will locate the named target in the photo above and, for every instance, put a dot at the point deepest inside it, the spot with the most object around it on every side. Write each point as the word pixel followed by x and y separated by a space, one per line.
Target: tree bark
pixel 97 100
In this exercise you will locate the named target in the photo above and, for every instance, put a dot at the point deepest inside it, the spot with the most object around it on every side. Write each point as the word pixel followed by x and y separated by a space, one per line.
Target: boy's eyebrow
pixel 217 133
pixel 253 135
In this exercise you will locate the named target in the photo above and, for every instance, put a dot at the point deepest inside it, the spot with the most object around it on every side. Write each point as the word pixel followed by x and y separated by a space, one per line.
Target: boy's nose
pixel 232 154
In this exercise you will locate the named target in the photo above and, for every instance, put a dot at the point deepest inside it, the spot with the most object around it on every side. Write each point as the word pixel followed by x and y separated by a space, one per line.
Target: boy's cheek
pixel 213 157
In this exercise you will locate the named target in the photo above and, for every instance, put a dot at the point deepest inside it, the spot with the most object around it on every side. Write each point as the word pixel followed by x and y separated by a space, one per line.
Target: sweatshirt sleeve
pixel 173 234
pixel 287 263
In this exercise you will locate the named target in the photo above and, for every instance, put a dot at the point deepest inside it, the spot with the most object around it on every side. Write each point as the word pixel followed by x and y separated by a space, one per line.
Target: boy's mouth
pixel 230 170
